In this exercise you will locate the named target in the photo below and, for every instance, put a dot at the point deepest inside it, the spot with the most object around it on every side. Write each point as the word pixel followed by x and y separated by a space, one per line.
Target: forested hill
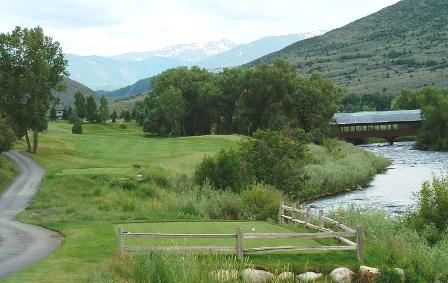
pixel 401 46
pixel 67 97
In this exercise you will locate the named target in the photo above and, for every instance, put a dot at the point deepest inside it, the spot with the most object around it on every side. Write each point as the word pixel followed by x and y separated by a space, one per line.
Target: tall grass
pixel 8 171
pixel 339 167
pixel 167 268
pixel 390 243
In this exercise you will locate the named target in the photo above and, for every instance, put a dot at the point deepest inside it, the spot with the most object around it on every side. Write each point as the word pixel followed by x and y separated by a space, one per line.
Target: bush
pixel 431 214
pixel 225 205
pixel 223 171
pixel 123 126
pixel 77 128
pixel 272 157
pixel 261 201
pixel 7 136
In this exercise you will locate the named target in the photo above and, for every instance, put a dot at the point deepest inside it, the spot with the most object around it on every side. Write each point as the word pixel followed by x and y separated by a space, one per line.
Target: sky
pixel 111 27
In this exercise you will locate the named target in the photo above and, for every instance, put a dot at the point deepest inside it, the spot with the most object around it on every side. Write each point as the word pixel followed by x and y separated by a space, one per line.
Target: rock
pixel 342 275
pixel 368 273
pixel 309 276
pixel 286 276
pixel 225 274
pixel 256 276
pixel 402 274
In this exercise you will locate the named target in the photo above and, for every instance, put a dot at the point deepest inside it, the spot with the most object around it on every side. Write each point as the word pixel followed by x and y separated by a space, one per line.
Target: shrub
pixel 123 126
pixel 223 171
pixel 431 214
pixel 225 205
pixel 7 136
pixel 261 201
pixel 77 128
pixel 271 157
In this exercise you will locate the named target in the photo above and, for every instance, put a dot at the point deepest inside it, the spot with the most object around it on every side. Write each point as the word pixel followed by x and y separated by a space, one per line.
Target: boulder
pixel 225 274
pixel 286 276
pixel 309 276
pixel 256 276
pixel 342 275
pixel 368 273
pixel 402 274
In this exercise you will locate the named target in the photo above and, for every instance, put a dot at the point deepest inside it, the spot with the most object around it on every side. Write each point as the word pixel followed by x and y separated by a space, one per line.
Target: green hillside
pixel 402 46
pixel 67 97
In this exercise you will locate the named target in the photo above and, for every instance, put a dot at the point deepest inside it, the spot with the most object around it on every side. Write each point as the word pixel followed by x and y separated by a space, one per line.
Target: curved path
pixel 21 245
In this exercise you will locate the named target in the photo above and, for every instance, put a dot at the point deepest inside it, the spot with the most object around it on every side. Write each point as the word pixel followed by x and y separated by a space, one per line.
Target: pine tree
pixel 103 110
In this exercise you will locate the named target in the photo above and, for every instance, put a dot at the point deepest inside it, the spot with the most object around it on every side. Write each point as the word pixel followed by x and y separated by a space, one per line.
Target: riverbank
pixel 394 190
pixel 8 171
pixel 340 167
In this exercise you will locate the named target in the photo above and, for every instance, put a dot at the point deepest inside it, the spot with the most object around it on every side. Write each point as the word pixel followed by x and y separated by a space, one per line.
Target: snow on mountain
pixel 192 52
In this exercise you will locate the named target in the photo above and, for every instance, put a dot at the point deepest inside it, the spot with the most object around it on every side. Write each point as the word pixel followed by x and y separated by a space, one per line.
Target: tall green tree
pixel 125 115
pixel 32 67
pixel 433 133
pixel 114 116
pixel 80 105
pixel 103 111
pixel 167 117
pixel 91 109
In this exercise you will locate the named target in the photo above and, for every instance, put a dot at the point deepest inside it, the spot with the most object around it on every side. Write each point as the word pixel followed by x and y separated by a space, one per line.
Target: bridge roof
pixel 379 117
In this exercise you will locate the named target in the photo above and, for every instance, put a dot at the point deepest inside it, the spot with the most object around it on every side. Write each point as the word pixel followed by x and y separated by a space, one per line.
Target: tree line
pixel 194 101
pixel 86 108
pixel 433 134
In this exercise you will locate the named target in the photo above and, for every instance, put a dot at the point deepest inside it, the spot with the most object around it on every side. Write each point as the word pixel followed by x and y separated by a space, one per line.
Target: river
pixel 394 190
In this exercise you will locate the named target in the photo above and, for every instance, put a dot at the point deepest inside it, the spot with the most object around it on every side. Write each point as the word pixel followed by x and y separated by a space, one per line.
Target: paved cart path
pixel 21 245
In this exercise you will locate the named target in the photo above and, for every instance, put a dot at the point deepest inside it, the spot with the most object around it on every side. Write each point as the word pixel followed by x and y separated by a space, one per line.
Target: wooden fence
pixel 310 219
pixel 342 234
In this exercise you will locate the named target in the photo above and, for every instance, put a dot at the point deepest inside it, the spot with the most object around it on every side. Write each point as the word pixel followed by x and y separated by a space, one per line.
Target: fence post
pixel 359 244
pixel 281 211
pixel 120 241
pixel 308 216
pixel 293 212
pixel 239 244
pixel 321 220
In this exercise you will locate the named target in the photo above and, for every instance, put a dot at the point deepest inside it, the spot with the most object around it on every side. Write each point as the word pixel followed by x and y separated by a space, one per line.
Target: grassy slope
pixel 77 165
pixel 8 171
pixel 402 46
pixel 80 197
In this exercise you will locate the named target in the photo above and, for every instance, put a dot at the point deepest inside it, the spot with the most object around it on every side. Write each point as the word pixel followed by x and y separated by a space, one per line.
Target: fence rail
pixel 239 237
pixel 305 216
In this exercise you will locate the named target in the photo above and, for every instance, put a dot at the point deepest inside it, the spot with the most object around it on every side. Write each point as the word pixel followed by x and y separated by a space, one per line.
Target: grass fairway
pixel 108 149
pixel 78 166
pixel 214 228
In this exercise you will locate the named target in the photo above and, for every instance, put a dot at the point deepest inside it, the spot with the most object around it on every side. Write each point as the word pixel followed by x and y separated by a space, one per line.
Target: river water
pixel 394 189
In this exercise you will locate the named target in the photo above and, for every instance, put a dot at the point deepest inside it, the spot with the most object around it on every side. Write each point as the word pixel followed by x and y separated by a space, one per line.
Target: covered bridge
pixel 388 125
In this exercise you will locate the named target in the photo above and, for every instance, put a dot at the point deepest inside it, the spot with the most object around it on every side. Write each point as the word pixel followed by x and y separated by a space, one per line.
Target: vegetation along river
pixel 394 190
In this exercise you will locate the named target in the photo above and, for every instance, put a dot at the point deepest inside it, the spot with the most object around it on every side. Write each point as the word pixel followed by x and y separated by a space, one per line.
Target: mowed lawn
pixel 104 149
pixel 214 228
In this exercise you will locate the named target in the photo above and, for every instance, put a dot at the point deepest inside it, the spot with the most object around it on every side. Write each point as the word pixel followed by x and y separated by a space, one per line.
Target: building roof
pixel 378 117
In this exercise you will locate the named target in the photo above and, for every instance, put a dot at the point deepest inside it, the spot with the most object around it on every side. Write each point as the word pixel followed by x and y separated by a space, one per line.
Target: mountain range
pixel 401 46
pixel 112 73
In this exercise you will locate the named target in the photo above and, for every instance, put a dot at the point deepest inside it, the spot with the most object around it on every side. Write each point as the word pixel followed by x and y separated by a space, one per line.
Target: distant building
pixel 59 111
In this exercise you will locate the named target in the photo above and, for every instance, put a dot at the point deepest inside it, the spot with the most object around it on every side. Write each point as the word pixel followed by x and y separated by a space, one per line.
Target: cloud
pixel 63 14
pixel 108 27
